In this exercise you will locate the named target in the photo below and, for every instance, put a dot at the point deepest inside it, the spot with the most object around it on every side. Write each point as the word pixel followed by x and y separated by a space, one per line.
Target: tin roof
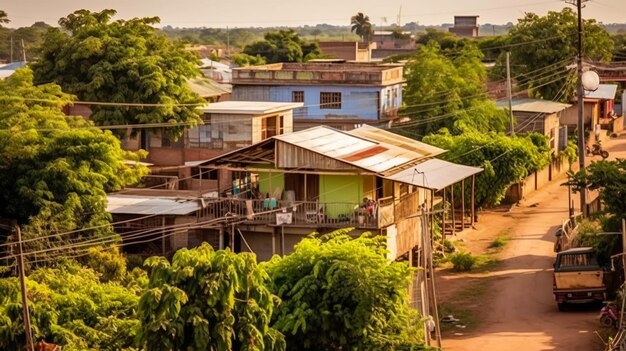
pixel 149 205
pixel 434 174
pixel 367 148
pixel 250 107
pixel 533 105
pixel 604 91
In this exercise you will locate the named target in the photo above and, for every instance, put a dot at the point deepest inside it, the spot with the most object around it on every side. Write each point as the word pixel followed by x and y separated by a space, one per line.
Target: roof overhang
pixel 434 174
pixel 150 205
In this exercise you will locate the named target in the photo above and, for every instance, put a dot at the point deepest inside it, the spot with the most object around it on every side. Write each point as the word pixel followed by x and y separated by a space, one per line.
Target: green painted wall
pixel 340 189
pixel 268 182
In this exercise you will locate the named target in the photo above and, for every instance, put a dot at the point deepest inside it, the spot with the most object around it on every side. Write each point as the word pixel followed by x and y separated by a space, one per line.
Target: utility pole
pixel 11 49
pixel 227 42
pixel 508 91
pixel 23 51
pixel 26 313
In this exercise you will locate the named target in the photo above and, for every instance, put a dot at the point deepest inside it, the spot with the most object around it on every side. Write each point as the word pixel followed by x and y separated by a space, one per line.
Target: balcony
pixel 302 213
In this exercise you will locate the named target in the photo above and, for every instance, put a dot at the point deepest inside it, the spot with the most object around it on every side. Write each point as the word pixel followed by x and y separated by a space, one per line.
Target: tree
pixel 120 62
pixel 283 46
pixel 340 293
pixel 70 306
pixel 448 92
pixel 505 160
pixel 244 60
pixel 446 40
pixel 55 169
pixel 4 18
pixel 551 41
pixel 207 300
pixel 362 26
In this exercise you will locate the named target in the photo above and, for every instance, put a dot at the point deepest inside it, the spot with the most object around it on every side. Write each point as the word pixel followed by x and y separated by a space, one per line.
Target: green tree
pixel 540 41
pixel 55 169
pixel 70 306
pixel 340 293
pixel 361 25
pixel 244 60
pixel 443 91
pixel 4 18
pixel 283 46
pixel 121 62
pixel 446 40
pixel 207 300
pixel 505 160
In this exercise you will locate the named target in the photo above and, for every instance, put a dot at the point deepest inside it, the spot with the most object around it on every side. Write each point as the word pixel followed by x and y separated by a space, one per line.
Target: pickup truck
pixel 578 277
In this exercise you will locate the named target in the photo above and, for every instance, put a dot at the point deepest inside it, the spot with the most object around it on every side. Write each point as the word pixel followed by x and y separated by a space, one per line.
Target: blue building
pixel 342 95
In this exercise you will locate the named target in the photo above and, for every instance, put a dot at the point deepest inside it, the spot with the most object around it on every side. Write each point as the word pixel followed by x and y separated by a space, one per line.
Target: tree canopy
pixel 123 61
pixel 207 300
pixel 283 46
pixel 55 169
pixel 537 42
pixel 361 25
pixel 340 293
pixel 449 91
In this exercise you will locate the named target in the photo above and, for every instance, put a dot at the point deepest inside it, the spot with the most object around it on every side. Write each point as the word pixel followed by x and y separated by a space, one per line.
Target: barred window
pixel 330 100
pixel 297 96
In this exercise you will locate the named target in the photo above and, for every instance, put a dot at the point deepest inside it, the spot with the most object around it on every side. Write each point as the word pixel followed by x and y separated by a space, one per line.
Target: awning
pixel 434 174
pixel 145 205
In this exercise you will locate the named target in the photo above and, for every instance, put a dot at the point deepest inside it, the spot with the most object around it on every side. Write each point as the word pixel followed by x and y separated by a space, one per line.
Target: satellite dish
pixel 590 80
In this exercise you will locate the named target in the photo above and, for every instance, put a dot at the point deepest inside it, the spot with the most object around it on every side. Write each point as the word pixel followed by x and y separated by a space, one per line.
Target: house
pixel 465 26
pixel 389 43
pixel 348 50
pixel 215 70
pixel 228 126
pixel 598 110
pixel 341 95
pixel 541 116
pixel 281 189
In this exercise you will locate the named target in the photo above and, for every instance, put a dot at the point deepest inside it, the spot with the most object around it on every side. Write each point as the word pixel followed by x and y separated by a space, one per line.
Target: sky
pixel 266 13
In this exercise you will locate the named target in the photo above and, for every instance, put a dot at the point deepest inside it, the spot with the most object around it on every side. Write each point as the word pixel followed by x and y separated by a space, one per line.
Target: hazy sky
pixel 264 13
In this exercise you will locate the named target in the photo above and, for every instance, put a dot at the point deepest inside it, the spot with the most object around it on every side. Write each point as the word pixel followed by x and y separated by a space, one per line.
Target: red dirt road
pixel 519 312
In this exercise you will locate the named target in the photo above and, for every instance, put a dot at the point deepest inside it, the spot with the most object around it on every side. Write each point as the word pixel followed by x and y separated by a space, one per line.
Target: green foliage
pixel 570 152
pixel 588 234
pixel 500 241
pixel 506 160
pixel 283 46
pixel 69 306
pixel 110 263
pixel 551 40
pixel 55 169
pixel 444 39
pixel 444 92
pixel 124 61
pixel 244 60
pixel 361 25
pixel 207 300
pixel 340 293
pixel 462 261
pixel 4 17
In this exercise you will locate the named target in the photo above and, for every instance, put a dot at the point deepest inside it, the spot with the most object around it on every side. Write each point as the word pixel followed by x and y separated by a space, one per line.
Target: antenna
pixel 399 23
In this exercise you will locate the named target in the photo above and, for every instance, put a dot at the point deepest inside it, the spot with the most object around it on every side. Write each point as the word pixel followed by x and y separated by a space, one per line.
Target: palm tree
pixel 361 26
pixel 3 18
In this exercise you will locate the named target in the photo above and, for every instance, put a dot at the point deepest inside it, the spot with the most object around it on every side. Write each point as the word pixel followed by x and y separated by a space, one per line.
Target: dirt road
pixel 519 312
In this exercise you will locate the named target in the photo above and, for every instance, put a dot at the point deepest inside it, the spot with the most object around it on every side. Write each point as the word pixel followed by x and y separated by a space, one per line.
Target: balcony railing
pixel 302 213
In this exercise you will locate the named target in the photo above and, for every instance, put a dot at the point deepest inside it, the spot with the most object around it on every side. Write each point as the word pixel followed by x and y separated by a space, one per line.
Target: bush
pixel 462 261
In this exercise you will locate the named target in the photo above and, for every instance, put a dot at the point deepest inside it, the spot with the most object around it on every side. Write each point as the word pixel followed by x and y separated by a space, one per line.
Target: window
pixel 200 136
pixel 330 100
pixel 281 124
pixel 297 96
pixel 268 127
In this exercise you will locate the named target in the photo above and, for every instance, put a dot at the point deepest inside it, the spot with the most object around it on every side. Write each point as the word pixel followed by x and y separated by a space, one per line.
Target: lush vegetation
pixel 207 300
pixel 340 293
pixel 361 26
pixel 55 169
pixel 283 46
pixel 124 61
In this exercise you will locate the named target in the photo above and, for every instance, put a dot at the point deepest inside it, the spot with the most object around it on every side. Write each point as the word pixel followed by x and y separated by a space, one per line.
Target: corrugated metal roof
pixel 604 91
pixel 434 174
pixel 149 205
pixel 250 107
pixel 372 154
pixel 206 87
pixel 533 105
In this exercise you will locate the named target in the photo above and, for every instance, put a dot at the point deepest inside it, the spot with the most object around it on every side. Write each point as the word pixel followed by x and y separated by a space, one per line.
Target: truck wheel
pixel 562 306
pixel 606 321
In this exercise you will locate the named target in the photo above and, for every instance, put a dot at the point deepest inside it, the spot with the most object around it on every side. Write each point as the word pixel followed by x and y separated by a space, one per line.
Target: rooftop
pixel 533 105
pixel 149 205
pixel 321 66
pixel 250 107
pixel 604 92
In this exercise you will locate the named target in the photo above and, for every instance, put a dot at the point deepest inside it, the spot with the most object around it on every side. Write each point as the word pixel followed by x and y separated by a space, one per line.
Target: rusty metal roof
pixel 368 148
pixel 533 105
pixel 434 174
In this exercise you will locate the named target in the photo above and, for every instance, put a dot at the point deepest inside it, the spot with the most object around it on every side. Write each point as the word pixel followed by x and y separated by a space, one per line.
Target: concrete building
pixel 598 110
pixel 465 26
pixel 348 50
pixel 342 95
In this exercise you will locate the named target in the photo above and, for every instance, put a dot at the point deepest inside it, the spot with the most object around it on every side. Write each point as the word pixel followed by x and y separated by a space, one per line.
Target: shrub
pixel 462 261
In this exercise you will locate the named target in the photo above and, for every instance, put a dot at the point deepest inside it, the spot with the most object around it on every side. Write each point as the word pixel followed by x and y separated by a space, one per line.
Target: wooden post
pixel 25 312
pixel 273 242
pixel 621 319
pixel 282 240
pixel 163 235
pixel 221 239
pixel 232 238
pixel 472 199
pixel 452 208
pixel 463 204
pixel 433 289
pixel 443 213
